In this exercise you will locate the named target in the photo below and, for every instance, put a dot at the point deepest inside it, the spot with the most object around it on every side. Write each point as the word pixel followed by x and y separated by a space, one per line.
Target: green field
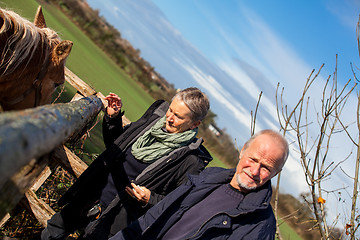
pixel 216 162
pixel 94 67
pixel 87 60
pixel 287 233
pixel 90 63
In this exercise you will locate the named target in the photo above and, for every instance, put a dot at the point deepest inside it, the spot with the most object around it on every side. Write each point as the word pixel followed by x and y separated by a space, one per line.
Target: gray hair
pixel 277 137
pixel 196 101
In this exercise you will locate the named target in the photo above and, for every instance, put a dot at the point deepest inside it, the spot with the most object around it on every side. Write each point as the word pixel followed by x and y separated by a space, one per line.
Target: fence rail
pixel 32 140
pixel 29 134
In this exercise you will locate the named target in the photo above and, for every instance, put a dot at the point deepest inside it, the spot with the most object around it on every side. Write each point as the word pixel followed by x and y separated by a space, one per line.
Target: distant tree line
pixel 297 214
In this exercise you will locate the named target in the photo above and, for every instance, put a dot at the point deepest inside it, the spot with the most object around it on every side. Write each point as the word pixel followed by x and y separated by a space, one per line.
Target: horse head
pixel 32 61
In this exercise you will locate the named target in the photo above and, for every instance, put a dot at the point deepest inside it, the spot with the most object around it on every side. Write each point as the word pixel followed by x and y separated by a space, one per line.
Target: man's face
pixel 178 117
pixel 257 164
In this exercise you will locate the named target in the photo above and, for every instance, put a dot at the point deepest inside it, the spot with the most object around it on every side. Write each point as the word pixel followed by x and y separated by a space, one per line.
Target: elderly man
pixel 142 163
pixel 220 203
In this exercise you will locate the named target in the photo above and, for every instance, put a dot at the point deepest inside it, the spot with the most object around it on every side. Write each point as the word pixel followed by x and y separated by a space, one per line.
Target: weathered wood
pixel 102 97
pixel 78 84
pixel 4 219
pixel 38 207
pixel 77 96
pixel 41 178
pixel 69 160
pixel 125 120
pixel 30 134
pixel 15 187
pixel 23 180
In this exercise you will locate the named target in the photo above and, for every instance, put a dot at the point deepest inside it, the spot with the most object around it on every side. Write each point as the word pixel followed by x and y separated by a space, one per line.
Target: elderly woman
pixel 143 162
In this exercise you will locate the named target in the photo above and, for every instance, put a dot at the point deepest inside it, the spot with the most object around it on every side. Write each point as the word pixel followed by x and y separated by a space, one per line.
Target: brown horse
pixel 32 61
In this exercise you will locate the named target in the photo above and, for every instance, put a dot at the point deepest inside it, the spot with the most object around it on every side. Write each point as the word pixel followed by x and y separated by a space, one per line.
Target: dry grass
pixel 22 224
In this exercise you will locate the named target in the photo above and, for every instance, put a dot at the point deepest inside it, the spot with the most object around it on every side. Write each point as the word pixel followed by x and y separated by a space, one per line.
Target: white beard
pixel 244 185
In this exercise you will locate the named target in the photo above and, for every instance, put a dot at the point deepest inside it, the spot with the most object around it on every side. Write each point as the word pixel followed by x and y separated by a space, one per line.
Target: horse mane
pixel 22 42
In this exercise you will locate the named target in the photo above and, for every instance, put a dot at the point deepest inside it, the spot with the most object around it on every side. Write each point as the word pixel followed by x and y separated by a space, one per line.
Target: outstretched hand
pixel 140 193
pixel 114 104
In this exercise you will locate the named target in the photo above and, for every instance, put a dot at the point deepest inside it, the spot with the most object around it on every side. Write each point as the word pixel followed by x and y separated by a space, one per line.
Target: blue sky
pixel 232 50
pixel 313 30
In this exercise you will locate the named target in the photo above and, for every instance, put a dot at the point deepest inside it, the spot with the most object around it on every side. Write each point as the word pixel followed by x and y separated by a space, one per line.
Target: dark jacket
pixel 252 219
pixel 161 177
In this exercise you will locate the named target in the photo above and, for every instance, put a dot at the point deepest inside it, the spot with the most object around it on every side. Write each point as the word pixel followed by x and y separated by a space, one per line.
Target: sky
pixel 233 50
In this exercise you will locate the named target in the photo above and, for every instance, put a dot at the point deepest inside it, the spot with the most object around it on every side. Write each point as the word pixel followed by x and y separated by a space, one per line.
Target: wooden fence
pixel 32 140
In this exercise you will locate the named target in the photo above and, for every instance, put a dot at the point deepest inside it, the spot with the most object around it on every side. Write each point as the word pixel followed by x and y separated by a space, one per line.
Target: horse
pixel 32 61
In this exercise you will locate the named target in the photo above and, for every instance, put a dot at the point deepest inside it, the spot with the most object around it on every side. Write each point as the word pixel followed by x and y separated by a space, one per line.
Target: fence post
pixel 29 134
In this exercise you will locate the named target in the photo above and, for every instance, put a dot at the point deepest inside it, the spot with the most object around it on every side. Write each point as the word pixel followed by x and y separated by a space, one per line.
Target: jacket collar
pixel 256 199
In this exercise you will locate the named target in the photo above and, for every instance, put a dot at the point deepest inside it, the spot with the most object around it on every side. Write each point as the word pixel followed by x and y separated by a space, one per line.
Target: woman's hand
pixel 114 104
pixel 142 194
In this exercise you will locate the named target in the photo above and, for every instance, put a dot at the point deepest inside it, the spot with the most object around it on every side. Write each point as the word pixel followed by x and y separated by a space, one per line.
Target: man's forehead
pixel 266 140
pixel 265 144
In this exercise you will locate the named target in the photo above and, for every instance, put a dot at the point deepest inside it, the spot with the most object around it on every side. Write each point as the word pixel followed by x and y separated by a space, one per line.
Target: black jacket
pixel 161 177
pixel 253 218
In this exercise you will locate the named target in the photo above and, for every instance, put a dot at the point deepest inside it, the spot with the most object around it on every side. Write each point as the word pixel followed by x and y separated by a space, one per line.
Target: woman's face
pixel 178 117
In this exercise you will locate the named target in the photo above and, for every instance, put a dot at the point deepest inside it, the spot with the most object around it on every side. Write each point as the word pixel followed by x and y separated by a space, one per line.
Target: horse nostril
pixel 57 84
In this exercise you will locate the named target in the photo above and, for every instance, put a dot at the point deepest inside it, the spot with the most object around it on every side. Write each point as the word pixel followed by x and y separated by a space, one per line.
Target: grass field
pixel 97 69
pixel 287 233
pixel 91 64
pixel 216 162
pixel 87 60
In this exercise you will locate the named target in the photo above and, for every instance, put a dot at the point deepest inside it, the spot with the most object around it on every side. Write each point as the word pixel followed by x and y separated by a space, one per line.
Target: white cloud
pixel 262 48
pixel 278 59
pixel 280 63
pixel 347 11
pixel 214 88
pixel 241 77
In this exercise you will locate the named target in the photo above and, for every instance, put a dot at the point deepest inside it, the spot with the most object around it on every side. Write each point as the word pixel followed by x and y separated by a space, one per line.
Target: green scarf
pixel 156 143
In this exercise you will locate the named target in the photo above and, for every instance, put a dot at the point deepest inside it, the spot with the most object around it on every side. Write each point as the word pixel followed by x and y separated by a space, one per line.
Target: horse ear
pixel 39 20
pixel 61 51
